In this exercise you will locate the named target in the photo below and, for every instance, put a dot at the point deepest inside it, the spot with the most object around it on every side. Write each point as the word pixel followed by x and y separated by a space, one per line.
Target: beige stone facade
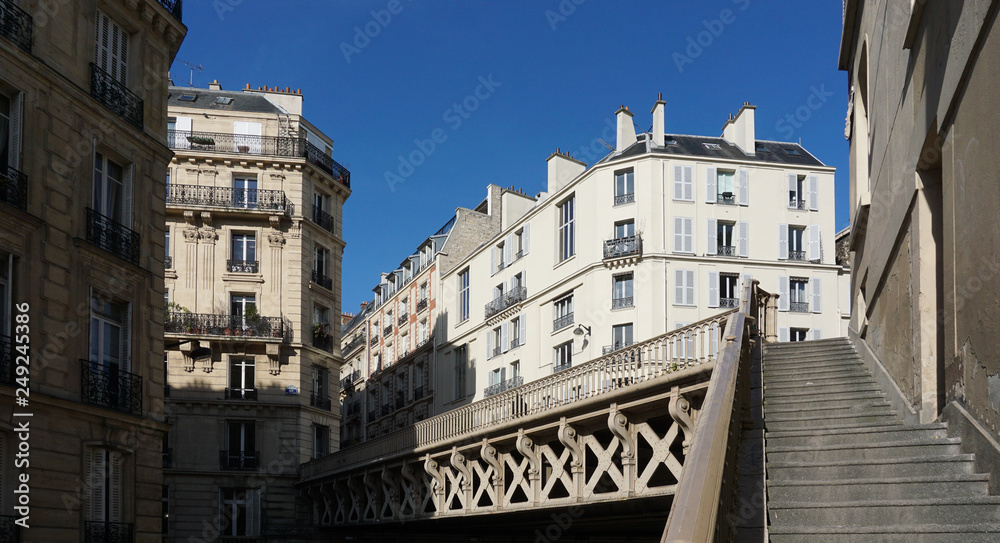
pixel 82 160
pixel 254 209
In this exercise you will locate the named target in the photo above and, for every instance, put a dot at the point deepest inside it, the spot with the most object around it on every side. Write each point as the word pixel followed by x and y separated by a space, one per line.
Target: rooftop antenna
pixel 606 144
pixel 193 67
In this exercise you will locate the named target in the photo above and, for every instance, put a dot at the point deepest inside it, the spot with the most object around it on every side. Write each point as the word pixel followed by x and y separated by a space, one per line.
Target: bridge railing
pixel 707 487
pixel 690 346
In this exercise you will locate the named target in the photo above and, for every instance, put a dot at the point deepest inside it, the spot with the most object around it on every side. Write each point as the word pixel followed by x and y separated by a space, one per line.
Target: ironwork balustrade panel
pixel 506 300
pixel 108 532
pixel 726 198
pixel 624 198
pixel 221 142
pixel 15 25
pixel 560 367
pixel 729 302
pixel 422 305
pixel 726 250
pixel 116 96
pixel 229 197
pixel 243 266
pixel 798 307
pixel 620 303
pixel 796 255
pixel 387 330
pixel 619 247
pixel 497 388
pixel 239 460
pixel 322 280
pixel 562 322
pixel 108 386
pixel 374 341
pixel 403 319
pixel 320 401
pixel 323 219
pixel 323 342
pixel 325 162
pixel 241 393
pixel 202 324
pixel 797 204
pixel 14 186
pixel 113 237
pixel 6 361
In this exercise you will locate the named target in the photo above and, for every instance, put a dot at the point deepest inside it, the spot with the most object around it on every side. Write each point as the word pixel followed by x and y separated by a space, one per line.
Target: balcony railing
pixel 326 163
pixel 796 204
pixel 320 401
pixel 796 255
pixel 798 307
pixel 561 367
pixel 621 303
pixel 562 322
pixel 624 198
pixel 729 302
pixel 110 387
pixel 13 184
pixel 497 351
pixel 355 342
pixel 15 25
pixel 168 262
pixel 322 280
pixel 373 342
pixel 422 305
pixel 387 330
pixel 243 266
pixel 113 237
pixel 238 460
pixel 607 349
pixel 323 219
pixel 269 201
pixel 506 300
pixel 6 362
pixel 351 408
pixel 726 198
pixel 174 7
pixel 418 393
pixel 241 393
pixel 726 250
pixel 322 341
pixel 207 324
pixel 403 319
pixel 116 96
pixel 503 386
pixel 620 247
pixel 107 532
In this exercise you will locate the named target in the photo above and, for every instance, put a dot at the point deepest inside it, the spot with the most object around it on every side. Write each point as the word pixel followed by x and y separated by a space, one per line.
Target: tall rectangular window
pixel 245 192
pixel 567 233
pixel 239 512
pixel 463 295
pixel 109 335
pixel 109 188
pixel 621 335
pixel 461 362
pixel 624 187
pixel 242 378
pixel 563 356
pixel 622 291
pixel 562 313
pixel 625 229
pixel 725 187
pixel 104 485
pixel 321 440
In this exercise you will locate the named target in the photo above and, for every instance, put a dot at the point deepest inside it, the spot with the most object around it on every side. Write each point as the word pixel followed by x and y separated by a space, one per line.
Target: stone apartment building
pixel 253 264
pixel 922 127
pixel 82 159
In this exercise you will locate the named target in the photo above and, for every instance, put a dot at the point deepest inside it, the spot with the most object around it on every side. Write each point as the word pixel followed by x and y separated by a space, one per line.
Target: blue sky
pixel 555 71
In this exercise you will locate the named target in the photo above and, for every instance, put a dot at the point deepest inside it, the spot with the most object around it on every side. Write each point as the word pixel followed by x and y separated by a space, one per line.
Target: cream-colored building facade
pixel 658 234
pixel 254 245
pixel 82 159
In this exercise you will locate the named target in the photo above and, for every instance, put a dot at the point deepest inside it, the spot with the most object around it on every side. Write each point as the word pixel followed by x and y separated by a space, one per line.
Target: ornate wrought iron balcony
pixel 323 219
pixel 110 387
pixel 355 342
pixel 228 326
pixel 15 25
pixel 322 280
pixel 798 307
pixel 497 351
pixel 504 386
pixel 270 201
pixel 726 250
pixel 726 198
pixel 6 363
pixel 241 393
pixel 729 302
pixel 620 303
pixel 107 532
pixel 14 185
pixel 562 322
pixel 374 341
pixel 796 203
pixel 113 237
pixel 607 349
pixel 322 341
pixel 387 330
pixel 239 460
pixel 422 305
pixel 506 300
pixel 403 319
pixel 620 247
pixel 174 7
pixel 320 401
pixel 560 367
pixel 326 163
pixel 796 255
pixel 242 266
pixel 624 198
pixel 116 96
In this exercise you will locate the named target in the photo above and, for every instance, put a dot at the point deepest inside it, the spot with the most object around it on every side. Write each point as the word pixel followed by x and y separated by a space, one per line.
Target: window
pixel 498 377
pixel 500 252
pixel 621 336
pixel 242 445
pixel 247 137
pixel 517 331
pixel 683 235
pixel 684 183
pixel 725 242
pixel 563 356
pixel 621 291
pixel 798 334
pixel 624 187
pixel 684 287
pixel 112 190
pixel 625 229
pixel 109 339
pixel 167 261
pixel 792 152
pixel 712 146
pixel 320 259
pixel 515 369
pixel 423 292
pixel 424 331
pixel 241 379
pixel 567 235
pixel 178 130
pixel 463 295
pixel 321 440
pixel 795 248
pixel 461 361
pixel 798 302
pixel 244 253
pixel 729 284
pixel 517 282
pixel 562 313
pixel 10 131
pixel 240 305
pixel 494 343
pixel 796 198
pixel 239 512
pixel 726 187
pixel 111 51
pixel 520 239
pixel 104 485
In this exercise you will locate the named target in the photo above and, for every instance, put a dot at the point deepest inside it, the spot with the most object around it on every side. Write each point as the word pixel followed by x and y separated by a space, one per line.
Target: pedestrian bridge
pixel 659 419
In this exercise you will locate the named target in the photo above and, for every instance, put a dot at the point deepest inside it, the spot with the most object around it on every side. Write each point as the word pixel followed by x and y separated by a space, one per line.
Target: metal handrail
pixel 497 388
pixel 323 219
pixel 116 96
pixel 322 280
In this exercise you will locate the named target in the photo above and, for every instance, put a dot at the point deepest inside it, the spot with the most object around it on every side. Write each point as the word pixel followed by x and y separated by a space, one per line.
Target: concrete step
pixel 900 488
pixel 916 533
pixel 814 354
pixel 813 380
pixel 825 373
pixel 864 451
pixel 839 421
pixel 885 411
pixel 772 368
pixel 826 399
pixel 957 511
pixel 803 347
pixel 870 434
pixel 835 407
pixel 816 359
pixel 884 467
pixel 779 391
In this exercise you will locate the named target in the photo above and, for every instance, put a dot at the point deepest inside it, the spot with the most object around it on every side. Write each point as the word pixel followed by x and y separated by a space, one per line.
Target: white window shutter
pixel 814 248
pixel 817 333
pixel 95 483
pixel 111 50
pixel 793 188
pixel 783 335
pixel 115 487
pixel 182 129
pixel 489 344
pixel 817 294
pixel 743 188
pixel 493 260
pixel 524 279
pixel 713 289
pixel 505 336
pixel 743 239
pixel 814 193
pixel 678 234
pixel 688 235
pixel 711 177
pixel 16 110
pixel 783 294
pixel 525 237
pixel 128 193
pixel 678 182
pixel 689 287
pixel 508 249
pixel 782 242
pixel 689 183
pixel 712 240
pixel 679 287
pixel 522 329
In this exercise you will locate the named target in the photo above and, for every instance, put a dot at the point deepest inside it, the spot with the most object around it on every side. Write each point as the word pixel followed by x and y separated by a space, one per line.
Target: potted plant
pixel 252 319
pixel 319 331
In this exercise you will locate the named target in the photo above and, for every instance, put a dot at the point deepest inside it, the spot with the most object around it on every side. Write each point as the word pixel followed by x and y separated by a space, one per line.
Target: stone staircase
pixel 842 466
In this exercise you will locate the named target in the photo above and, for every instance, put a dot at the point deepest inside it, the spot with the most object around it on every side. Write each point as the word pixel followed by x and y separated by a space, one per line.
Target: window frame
pixel 567 229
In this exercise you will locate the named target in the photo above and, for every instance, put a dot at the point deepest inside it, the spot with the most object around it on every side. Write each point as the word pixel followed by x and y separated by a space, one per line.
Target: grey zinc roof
pixel 247 102
pixel 694 146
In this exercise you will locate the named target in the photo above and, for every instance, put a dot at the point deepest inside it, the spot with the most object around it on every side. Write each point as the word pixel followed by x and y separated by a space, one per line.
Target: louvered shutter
pixel 689 287
pixel 712 239
pixel 783 293
pixel 115 487
pixel 783 335
pixel 743 188
pixel 689 183
pixel 493 260
pixel 15 136
pixel 525 237
pixel 128 195
pixel 96 468
pixel 713 289
pixel 679 287
pixel 688 235
pixel 817 294
pixel 782 242
pixel 743 239
pixel 111 51
pixel 505 336
pixel 522 329
pixel 678 234
pixel 182 129
pixel 817 333
pixel 678 182
pixel 793 189
pixel 508 249
pixel 489 344
pixel 814 242
pixel 711 178
pixel 814 193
